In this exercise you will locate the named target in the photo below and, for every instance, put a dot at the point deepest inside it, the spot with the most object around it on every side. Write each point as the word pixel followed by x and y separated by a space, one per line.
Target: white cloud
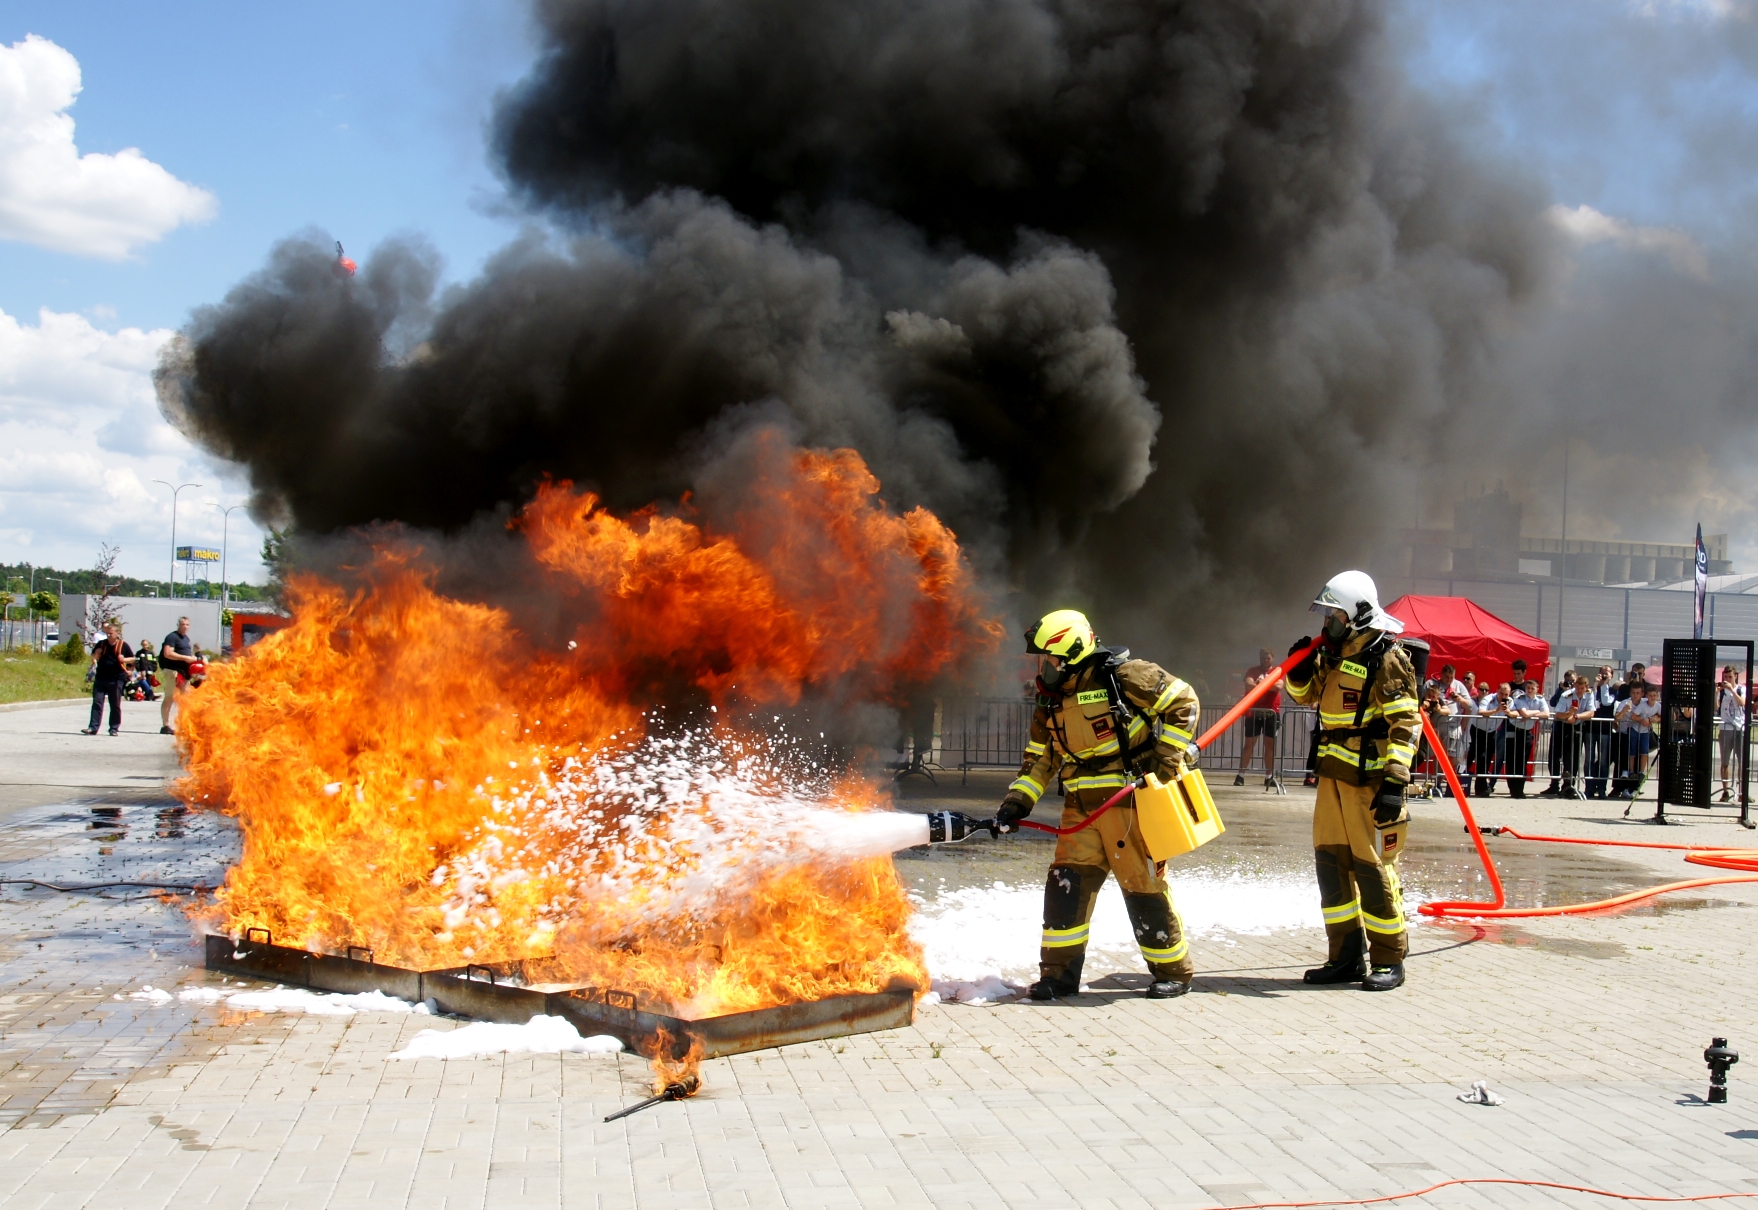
pixel 93 205
pixel 1585 225
pixel 81 441
pixel 1712 10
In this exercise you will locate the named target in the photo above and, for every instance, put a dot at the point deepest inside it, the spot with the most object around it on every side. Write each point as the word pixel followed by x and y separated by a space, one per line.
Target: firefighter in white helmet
pixel 1102 720
pixel 1365 685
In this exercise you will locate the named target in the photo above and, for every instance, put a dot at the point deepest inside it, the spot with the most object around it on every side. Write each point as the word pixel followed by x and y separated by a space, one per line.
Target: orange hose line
pixel 1709 855
pixel 1463 907
pixel 1486 1180
pixel 1576 909
pixel 1719 856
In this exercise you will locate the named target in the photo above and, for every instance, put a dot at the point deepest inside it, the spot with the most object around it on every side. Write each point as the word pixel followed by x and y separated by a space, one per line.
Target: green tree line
pixel 17 578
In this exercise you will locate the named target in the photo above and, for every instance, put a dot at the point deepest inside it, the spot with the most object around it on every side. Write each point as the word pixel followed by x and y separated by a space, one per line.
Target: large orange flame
pixel 412 775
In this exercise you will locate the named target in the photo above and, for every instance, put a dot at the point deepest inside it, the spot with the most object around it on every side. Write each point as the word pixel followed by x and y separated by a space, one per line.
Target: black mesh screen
pixel 1687 721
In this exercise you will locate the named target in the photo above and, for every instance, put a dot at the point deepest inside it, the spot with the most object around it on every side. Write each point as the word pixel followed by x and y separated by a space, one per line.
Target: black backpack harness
pixel 1122 714
pixel 1370 658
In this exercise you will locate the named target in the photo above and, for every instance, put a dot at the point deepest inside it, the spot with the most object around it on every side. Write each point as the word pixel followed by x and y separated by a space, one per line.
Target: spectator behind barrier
pixel 1730 710
pixel 1264 721
pixel 1527 711
pixel 1486 740
pixel 1636 718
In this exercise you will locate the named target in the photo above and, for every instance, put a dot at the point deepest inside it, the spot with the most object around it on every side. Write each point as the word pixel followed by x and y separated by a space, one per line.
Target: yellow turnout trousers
pixel 1113 845
pixel 1356 888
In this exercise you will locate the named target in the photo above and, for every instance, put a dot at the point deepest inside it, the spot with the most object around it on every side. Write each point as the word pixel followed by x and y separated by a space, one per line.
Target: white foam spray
pixel 669 827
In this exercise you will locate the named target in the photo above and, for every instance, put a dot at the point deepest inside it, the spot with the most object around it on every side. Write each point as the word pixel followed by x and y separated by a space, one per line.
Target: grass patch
pixel 28 676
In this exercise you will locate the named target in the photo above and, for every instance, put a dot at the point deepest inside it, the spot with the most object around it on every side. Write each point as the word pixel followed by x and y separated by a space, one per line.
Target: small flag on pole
pixel 1702 584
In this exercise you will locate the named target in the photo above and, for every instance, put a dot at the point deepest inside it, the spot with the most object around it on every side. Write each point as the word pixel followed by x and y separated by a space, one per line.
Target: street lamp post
pixel 225 520
pixel 1564 556
pixel 175 492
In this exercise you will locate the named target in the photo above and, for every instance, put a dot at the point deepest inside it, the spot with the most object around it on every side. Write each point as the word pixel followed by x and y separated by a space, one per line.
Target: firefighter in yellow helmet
pixel 1365 685
pixel 1088 697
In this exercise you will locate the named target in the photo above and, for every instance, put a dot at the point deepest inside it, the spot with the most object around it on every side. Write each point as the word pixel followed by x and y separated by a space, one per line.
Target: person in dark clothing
pixel 112 660
pixel 176 654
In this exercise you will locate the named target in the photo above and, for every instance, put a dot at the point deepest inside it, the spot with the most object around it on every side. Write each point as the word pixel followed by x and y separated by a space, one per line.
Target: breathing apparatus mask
pixel 1337 626
pixel 1052 672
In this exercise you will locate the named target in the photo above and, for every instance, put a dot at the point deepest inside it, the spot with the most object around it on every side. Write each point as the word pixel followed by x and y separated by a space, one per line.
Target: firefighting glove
pixel 1168 770
pixel 1388 804
pixel 1302 672
pixel 1011 812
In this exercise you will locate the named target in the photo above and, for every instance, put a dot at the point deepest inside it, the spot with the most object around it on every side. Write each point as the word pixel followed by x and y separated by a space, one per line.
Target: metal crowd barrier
pixel 1593 758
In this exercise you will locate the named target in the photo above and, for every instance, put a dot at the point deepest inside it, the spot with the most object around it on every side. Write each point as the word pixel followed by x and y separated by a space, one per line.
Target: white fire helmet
pixel 1354 593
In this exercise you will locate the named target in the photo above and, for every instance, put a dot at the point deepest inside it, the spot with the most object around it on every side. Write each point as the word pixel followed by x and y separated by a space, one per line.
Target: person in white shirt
pixel 1526 710
pixel 1730 708
pixel 1486 740
pixel 1597 730
pixel 1572 710
pixel 1460 707
pixel 1565 686
pixel 1635 719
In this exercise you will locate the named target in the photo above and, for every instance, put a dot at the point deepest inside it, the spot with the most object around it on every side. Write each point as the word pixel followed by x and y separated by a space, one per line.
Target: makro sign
pixel 197 554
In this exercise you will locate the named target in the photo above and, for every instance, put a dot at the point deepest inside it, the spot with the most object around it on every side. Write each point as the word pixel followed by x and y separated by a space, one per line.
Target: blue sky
pixel 361 119
pixel 365 120
pixel 1644 109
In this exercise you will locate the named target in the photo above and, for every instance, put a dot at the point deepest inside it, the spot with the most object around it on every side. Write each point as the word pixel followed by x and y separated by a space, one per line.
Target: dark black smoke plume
pixel 1162 305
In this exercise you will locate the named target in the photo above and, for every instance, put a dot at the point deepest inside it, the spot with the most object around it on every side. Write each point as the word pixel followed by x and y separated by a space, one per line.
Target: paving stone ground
pixel 1254 1088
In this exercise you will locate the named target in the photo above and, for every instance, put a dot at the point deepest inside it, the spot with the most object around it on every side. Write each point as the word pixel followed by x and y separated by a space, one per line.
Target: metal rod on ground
pixel 673 1092
pixel 104 886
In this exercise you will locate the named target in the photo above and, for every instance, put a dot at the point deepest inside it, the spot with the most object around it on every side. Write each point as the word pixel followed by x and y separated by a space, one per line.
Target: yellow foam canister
pixel 1177 816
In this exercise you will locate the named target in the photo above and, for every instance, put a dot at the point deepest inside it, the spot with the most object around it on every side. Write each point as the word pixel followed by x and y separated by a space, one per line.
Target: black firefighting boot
pixel 1160 934
pixel 1055 987
pixel 1069 892
pixel 1350 964
pixel 1384 978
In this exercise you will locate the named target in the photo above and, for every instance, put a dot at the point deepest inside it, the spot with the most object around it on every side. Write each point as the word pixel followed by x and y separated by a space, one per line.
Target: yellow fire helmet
pixel 1065 633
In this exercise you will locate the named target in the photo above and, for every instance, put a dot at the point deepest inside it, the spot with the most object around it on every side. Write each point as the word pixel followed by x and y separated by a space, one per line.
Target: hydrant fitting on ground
pixel 1719 1058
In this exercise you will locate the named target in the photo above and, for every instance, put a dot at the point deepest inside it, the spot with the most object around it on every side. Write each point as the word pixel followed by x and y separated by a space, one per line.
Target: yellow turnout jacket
pixel 1362 745
pixel 1074 731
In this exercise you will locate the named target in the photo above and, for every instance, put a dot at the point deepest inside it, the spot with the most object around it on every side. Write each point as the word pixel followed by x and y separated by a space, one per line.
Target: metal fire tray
pixel 498 992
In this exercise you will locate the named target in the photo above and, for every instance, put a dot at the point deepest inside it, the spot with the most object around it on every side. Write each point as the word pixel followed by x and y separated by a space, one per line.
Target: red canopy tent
pixel 1470 638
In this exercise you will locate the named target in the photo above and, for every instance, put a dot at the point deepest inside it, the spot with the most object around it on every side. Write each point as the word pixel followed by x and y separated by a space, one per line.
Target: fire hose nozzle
pixel 950 827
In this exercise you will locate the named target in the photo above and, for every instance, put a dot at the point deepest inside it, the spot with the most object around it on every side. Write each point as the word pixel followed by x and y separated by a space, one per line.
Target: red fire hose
pixel 1709 855
pixel 1491 1180
pixel 1208 737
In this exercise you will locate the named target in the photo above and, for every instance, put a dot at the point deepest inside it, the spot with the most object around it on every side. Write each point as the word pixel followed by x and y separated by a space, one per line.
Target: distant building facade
pixel 1486 543
pixel 1594 602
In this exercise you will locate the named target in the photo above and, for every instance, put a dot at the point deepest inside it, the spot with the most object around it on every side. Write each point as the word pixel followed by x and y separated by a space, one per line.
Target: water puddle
pixel 94 843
